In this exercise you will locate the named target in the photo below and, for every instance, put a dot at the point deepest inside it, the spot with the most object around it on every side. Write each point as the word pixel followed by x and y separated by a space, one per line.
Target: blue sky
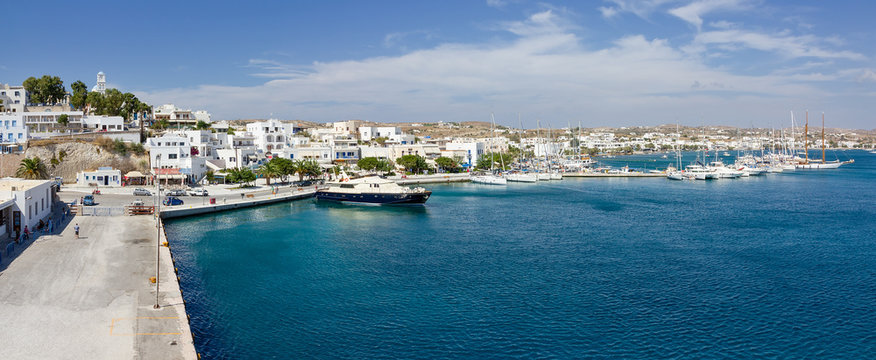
pixel 601 63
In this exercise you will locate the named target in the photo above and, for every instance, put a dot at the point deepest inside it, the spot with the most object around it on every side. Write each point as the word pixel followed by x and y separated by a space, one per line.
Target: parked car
pixel 177 192
pixel 199 192
pixel 303 183
pixel 171 201
pixel 137 202
pixel 142 192
pixel 88 200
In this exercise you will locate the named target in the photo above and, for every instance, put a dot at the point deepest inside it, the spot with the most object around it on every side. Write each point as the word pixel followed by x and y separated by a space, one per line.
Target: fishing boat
pixel 372 190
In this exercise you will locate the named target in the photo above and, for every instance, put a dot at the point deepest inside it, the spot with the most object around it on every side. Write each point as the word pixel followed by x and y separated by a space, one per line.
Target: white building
pixel 12 98
pixel 203 115
pixel 104 176
pixel 13 132
pixel 347 128
pixel 100 86
pixel 271 135
pixel 322 154
pixel 472 149
pixel 103 123
pixel 180 117
pixel 24 203
pixel 174 151
pixel 367 133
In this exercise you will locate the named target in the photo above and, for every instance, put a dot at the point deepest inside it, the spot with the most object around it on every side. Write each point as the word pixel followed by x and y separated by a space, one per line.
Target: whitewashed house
pixel 104 176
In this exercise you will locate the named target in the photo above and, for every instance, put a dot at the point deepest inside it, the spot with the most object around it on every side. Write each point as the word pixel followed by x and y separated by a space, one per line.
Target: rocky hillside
pixel 76 156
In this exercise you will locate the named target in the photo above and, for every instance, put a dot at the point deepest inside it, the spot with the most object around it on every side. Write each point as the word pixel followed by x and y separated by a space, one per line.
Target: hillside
pixel 77 156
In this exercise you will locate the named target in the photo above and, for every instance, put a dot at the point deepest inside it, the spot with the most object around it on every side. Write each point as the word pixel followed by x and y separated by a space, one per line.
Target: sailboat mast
pixel 806 137
pixel 501 157
pixel 822 137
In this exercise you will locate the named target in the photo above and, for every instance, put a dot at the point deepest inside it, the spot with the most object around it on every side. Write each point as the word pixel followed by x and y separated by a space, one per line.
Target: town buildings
pixel 24 203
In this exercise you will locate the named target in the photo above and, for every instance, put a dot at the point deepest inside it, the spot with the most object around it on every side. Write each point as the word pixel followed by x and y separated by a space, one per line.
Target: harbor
pixel 620 252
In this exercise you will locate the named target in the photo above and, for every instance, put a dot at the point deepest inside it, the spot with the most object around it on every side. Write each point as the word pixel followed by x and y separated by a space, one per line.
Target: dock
pixel 245 201
pixel 430 179
pixel 610 175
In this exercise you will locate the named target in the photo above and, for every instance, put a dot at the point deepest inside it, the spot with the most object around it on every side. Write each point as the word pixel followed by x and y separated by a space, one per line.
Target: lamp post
pixel 158 225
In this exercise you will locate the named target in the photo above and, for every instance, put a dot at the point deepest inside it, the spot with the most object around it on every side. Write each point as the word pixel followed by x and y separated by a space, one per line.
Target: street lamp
pixel 158 225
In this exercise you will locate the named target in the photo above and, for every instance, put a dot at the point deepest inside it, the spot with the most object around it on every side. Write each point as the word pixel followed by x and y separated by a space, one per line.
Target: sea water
pixel 782 265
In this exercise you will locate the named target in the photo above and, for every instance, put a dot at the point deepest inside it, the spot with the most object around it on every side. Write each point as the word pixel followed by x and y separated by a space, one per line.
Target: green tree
pixel 32 169
pixel 230 131
pixel 211 176
pixel 161 124
pixel 137 148
pixel 269 170
pixel 447 164
pixel 285 167
pixel 380 140
pixel 95 103
pixel 80 94
pixel 385 165
pixel 240 176
pixel 368 163
pixel 202 125
pixel 64 120
pixel 413 163
pixel 45 90
pixel 310 168
pixel 119 147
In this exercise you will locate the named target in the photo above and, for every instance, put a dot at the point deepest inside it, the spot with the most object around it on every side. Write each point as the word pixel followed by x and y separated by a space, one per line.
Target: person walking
pixel 76 229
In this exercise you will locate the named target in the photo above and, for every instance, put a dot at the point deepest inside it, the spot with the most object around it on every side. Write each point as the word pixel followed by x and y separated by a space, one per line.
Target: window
pixel 19 135
pixel 171 156
pixel 17 93
pixel 13 123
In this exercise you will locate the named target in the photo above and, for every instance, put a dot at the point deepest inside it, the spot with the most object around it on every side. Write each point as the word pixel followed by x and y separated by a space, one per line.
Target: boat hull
pixel 828 165
pixel 374 198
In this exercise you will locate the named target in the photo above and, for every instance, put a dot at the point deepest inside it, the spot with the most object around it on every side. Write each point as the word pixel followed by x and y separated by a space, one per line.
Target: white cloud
pixel 693 12
pixel 641 8
pixel 546 72
pixel 866 76
pixel 496 3
pixel 722 24
pixel 608 12
pixel 783 44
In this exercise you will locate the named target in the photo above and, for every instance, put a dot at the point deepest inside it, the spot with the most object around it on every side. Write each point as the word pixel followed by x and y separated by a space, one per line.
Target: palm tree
pixel 269 170
pixel 32 168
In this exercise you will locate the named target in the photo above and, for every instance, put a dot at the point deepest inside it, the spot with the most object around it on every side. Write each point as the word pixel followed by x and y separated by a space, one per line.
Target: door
pixel 106 180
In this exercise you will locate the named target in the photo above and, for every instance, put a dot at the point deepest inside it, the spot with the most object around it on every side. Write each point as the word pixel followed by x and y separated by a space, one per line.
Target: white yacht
pixel 373 190
pixel 522 177
pixel 489 179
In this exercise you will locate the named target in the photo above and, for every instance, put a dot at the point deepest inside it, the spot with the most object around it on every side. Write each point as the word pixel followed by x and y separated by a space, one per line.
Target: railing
pixel 139 210
pixel 102 211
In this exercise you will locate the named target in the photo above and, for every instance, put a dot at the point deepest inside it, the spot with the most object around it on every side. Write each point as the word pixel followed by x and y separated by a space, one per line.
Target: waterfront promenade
pixel 91 298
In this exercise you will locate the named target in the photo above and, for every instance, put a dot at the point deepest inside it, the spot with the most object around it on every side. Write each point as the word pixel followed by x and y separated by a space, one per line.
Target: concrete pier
pixel 225 204
pixel 91 297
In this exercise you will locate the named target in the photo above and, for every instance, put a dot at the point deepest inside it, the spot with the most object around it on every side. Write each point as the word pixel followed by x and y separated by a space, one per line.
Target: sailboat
pixel 823 164
pixel 676 173
pixel 519 175
pixel 491 178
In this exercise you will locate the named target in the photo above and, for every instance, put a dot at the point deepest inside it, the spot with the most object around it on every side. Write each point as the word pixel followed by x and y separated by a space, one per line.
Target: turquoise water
pixel 775 266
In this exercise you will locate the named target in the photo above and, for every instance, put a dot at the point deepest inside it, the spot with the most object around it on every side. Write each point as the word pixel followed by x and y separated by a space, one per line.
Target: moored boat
pixel 373 190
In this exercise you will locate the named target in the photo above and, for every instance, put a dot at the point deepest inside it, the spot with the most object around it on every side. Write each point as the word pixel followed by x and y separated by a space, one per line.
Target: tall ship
pixel 373 190
pixel 818 164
